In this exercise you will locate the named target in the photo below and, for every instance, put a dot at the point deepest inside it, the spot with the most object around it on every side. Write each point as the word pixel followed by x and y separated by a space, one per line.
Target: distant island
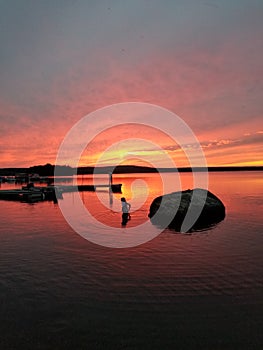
pixel 65 170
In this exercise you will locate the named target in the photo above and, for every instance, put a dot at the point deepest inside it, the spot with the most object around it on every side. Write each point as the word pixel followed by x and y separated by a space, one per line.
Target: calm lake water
pixel 185 291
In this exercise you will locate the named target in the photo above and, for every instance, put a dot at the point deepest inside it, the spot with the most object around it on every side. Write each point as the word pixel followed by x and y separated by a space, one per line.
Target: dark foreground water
pixel 178 291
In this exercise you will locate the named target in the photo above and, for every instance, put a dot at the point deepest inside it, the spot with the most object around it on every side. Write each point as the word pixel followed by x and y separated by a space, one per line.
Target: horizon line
pixel 136 166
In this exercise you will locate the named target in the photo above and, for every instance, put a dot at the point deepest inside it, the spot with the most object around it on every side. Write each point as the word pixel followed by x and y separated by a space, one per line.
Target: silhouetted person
pixel 125 211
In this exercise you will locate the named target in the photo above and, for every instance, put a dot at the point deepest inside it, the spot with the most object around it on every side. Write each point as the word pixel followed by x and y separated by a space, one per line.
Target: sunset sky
pixel 61 60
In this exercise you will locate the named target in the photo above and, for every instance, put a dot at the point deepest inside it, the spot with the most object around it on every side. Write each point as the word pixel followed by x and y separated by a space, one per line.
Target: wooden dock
pixel 115 188
pixel 53 193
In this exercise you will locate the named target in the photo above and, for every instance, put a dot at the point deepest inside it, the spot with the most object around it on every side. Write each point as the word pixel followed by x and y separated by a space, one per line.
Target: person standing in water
pixel 125 211
pixel 110 179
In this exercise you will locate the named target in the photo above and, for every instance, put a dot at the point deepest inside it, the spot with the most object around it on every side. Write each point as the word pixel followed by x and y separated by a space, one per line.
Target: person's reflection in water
pixel 110 198
pixel 125 211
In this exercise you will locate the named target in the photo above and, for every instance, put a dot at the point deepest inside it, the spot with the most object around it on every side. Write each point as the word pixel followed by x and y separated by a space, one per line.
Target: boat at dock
pixel 8 179
pixel 25 178
pixel 31 193
pixel 22 195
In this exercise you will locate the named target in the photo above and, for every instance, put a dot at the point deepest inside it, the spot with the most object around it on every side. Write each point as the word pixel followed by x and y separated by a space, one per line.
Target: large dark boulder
pixel 187 211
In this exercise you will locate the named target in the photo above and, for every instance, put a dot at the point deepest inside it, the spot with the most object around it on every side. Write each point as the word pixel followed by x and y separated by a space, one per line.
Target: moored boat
pixel 9 179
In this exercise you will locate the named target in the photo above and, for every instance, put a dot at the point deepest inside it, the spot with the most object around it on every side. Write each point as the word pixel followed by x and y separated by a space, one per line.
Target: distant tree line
pixel 66 170
pixel 48 170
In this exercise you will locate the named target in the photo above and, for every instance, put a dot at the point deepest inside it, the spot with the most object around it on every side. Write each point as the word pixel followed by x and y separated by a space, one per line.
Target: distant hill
pixel 64 170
